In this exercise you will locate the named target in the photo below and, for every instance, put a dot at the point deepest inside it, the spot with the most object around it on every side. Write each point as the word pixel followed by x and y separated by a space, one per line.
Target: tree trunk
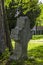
pixel 4 29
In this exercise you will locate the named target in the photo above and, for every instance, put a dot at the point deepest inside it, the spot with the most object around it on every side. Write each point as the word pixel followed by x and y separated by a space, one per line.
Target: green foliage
pixel 41 13
pixel 10 11
pixel 5 54
pixel 40 18
pixel 26 7
pixel 7 2
pixel 4 57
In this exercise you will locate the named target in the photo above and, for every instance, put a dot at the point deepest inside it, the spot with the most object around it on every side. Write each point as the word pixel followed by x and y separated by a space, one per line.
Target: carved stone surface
pixel 21 34
pixel 19 26
pixel 15 33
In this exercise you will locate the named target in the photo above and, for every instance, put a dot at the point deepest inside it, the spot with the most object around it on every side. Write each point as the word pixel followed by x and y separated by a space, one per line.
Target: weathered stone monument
pixel 21 34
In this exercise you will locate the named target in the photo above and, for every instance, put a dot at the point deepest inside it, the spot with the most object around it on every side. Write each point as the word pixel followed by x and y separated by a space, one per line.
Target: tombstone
pixel 21 34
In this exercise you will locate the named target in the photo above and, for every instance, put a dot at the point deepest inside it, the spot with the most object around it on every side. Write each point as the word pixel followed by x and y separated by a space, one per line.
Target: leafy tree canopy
pixel 40 18
pixel 26 7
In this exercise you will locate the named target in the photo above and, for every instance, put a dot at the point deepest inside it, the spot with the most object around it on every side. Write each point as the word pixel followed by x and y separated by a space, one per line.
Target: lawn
pixel 36 37
pixel 34 50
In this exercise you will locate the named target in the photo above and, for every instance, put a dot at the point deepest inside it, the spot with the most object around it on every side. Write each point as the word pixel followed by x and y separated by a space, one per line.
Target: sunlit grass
pixel 13 43
pixel 31 44
pixel 34 43
pixel 34 50
pixel 36 37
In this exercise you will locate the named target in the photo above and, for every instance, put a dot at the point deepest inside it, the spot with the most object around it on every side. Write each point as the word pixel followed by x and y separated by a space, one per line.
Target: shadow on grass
pixel 36 52
pixel 35 57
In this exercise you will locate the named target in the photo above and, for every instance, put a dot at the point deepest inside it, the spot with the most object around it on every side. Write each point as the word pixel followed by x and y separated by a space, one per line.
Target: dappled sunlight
pixel 39 60
pixel 36 54
pixel 34 51
pixel 21 32
pixel 13 43
pixel 4 57
pixel 34 43
pixel 37 37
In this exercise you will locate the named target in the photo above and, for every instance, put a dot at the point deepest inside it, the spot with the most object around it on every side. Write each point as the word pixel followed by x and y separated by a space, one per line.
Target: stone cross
pixel 21 34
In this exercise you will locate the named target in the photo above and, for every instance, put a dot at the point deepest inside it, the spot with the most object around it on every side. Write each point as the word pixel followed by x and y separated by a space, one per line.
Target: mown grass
pixel 34 43
pixel 35 54
pixel 34 51
pixel 34 37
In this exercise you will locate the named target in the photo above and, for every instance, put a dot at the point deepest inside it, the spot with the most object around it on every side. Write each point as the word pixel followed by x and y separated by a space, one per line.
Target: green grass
pixel 34 50
pixel 13 43
pixel 37 40
pixel 34 43
pixel 34 37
